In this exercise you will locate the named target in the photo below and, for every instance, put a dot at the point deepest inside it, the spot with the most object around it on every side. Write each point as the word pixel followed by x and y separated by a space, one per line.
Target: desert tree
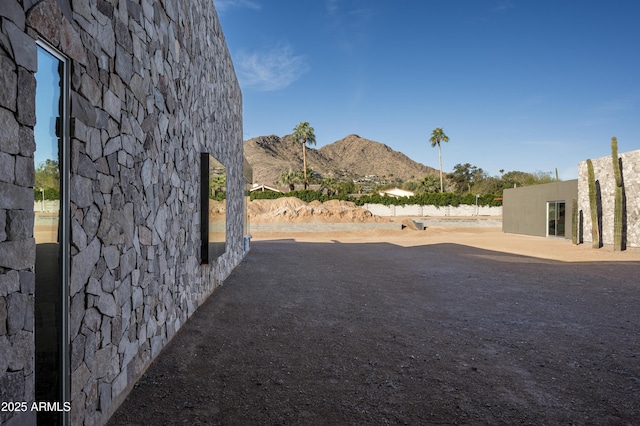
pixel 47 178
pixel 47 174
pixel 303 134
pixel 345 188
pixel 464 176
pixel 438 136
pixel 217 184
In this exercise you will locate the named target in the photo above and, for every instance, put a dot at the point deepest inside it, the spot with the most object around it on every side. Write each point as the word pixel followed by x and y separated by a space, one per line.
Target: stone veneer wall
pixel 152 86
pixel 603 171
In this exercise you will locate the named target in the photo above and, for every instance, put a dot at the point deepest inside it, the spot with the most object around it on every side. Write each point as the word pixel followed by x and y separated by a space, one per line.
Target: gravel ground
pixel 406 327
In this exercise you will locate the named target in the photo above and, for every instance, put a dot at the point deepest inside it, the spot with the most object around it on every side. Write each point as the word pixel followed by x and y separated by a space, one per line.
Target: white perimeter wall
pixel 417 210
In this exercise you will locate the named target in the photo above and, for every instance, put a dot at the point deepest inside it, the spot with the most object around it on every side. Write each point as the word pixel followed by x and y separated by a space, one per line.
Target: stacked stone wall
pixel 152 86
pixel 17 246
pixel 603 172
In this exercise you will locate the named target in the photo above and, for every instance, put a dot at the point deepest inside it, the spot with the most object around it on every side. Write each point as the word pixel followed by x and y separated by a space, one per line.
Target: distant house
pixel 397 192
pixel 263 188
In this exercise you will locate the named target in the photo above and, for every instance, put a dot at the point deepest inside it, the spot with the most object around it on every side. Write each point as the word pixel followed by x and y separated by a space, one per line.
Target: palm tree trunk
pixel 440 155
pixel 304 164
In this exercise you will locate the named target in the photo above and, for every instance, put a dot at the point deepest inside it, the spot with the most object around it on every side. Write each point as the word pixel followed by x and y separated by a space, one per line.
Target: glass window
pixel 247 173
pixel 213 214
pixel 51 232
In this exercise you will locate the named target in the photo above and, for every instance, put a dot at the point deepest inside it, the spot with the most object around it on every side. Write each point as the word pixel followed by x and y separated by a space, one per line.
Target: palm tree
pixel 331 185
pixel 429 184
pixel 289 178
pixel 303 133
pixel 438 136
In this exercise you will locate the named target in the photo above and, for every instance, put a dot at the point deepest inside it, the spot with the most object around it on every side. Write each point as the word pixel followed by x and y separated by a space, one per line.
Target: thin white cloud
pixel 617 105
pixel 503 6
pixel 350 28
pixel 535 100
pixel 542 143
pixel 222 5
pixel 332 7
pixel 269 70
pixel 596 122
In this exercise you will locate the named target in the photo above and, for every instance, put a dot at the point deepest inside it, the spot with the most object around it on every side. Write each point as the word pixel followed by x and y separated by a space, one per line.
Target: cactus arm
pixel 618 200
pixel 595 238
pixel 574 221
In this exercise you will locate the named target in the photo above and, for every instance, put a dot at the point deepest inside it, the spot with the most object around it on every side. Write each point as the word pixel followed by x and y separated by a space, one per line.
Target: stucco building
pixel 106 108
pixel 546 210
pixel 540 210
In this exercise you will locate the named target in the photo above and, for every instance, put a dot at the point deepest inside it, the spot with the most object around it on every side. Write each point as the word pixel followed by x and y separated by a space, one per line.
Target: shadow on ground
pixel 331 333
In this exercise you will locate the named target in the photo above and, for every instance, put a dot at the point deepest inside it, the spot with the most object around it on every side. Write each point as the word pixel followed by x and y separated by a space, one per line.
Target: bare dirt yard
pixel 441 326
pixel 494 239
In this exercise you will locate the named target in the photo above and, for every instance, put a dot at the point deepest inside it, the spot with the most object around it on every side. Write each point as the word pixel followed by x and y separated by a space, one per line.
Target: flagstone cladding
pixel 603 173
pixel 152 86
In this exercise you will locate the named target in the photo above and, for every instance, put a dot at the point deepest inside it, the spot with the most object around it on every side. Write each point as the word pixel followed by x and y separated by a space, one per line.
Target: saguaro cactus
pixel 574 222
pixel 618 207
pixel 593 206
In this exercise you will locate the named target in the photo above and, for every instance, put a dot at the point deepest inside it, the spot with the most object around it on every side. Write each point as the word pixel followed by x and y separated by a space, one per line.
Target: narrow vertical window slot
pixel 51 232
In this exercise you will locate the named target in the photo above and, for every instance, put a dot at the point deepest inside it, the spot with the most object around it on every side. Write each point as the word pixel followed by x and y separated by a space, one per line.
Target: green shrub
pixel 308 195
pixel 438 199
pixel 266 195
pixel 219 196
pixel 49 194
pixel 427 199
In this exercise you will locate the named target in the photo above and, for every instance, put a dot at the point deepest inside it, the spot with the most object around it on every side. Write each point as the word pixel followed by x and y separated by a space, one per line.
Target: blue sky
pixel 47 97
pixel 516 85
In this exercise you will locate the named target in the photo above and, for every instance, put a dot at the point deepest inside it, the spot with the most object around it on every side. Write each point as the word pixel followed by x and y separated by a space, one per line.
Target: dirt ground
pixel 494 239
pixel 442 326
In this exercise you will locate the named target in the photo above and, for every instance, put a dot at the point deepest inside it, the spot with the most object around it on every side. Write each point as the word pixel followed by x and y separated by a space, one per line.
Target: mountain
pixel 352 157
pixel 363 157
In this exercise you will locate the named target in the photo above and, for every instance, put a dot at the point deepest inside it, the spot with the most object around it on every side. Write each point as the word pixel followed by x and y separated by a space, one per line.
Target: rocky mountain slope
pixel 350 158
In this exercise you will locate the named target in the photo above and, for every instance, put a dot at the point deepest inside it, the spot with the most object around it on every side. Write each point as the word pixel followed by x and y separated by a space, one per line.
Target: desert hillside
pixel 364 157
pixel 351 157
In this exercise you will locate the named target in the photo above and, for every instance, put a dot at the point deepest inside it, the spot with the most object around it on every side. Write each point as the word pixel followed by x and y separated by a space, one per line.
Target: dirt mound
pixel 287 203
pixel 291 209
pixel 340 204
pixel 409 224
pixel 217 208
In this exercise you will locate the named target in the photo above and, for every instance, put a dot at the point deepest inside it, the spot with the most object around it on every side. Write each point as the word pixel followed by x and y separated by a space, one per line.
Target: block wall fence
pixel 603 173
pixel 418 210
pixel 152 86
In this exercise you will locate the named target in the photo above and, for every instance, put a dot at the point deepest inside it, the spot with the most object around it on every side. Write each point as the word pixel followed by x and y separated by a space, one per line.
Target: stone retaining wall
pixel 603 171
pixel 417 210
pixel 152 87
